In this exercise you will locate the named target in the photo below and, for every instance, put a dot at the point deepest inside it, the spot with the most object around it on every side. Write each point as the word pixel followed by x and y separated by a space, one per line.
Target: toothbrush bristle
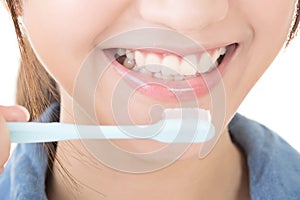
pixel 184 113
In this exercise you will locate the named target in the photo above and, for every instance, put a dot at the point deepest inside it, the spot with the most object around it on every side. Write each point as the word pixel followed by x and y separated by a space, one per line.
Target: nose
pixel 183 14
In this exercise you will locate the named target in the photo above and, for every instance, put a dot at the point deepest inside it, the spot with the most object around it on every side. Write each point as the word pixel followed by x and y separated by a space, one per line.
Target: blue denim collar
pixel 274 166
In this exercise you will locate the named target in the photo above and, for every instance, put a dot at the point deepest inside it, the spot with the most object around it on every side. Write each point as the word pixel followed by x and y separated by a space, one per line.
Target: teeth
pixel 152 63
pixel 205 63
pixel 139 59
pixel 187 67
pixel 144 71
pixel 161 76
pixel 129 63
pixel 121 52
pixel 215 56
pixel 178 78
pixel 222 51
pixel 129 55
pixel 171 67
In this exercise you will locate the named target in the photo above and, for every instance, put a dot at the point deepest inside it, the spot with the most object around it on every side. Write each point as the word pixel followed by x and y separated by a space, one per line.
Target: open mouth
pixel 163 74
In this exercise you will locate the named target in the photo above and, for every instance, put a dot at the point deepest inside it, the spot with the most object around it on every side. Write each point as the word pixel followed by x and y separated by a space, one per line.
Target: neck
pixel 185 179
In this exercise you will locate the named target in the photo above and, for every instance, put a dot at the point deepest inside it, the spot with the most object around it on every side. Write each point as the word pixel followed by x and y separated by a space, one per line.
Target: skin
pixel 12 114
pixel 83 25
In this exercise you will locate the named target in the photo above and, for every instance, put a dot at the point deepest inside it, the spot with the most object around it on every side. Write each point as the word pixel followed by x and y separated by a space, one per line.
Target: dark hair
pixel 36 89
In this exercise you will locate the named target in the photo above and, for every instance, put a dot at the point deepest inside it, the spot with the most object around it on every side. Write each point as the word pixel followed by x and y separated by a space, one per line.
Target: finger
pixel 4 142
pixel 14 113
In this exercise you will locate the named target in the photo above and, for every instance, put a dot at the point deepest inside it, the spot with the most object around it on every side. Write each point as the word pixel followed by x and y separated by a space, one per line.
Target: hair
pixel 37 90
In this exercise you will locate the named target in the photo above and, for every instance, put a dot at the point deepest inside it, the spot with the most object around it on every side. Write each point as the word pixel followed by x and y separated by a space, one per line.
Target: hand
pixel 10 114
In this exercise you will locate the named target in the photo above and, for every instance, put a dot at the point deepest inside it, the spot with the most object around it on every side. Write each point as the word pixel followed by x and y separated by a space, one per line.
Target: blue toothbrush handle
pixel 169 131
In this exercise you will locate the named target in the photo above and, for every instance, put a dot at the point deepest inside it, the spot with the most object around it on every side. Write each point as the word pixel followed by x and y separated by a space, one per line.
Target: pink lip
pixel 174 90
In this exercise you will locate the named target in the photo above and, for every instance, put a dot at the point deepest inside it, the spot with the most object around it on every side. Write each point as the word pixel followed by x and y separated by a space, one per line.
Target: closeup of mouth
pixel 167 75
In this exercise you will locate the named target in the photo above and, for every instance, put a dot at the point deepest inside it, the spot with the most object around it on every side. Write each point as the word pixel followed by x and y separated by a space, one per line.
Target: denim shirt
pixel 274 166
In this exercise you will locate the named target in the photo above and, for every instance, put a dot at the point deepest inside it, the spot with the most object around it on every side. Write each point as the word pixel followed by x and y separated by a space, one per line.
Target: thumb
pixel 14 113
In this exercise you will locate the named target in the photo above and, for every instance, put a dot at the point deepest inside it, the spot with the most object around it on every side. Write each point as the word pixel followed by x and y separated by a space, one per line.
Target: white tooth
pixel 161 76
pixel 157 75
pixel 223 50
pixel 178 78
pixel 205 63
pixel 121 52
pixel 168 78
pixel 188 65
pixel 192 60
pixel 152 63
pixel 139 59
pixel 128 63
pixel 135 69
pixel 170 65
pixel 129 54
pixel 144 71
pixel 153 67
pixel 215 56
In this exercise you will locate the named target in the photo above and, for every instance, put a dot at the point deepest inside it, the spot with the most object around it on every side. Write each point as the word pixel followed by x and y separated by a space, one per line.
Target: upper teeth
pixel 170 65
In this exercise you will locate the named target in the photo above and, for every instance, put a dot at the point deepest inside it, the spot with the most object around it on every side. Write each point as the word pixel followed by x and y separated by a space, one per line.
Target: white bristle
pixel 178 113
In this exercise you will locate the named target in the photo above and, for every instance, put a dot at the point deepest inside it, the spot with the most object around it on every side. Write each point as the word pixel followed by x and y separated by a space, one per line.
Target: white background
pixel 274 101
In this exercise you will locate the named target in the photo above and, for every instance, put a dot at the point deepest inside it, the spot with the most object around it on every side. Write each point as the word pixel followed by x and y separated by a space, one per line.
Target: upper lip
pixel 159 40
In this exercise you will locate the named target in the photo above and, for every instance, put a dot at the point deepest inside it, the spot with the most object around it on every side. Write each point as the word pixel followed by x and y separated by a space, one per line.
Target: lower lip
pixel 164 90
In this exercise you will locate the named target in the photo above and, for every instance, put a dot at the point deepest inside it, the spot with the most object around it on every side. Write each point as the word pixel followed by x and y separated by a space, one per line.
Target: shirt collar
pixel 274 166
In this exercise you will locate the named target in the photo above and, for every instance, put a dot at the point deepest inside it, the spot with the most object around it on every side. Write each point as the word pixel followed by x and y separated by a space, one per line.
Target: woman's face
pixel 63 33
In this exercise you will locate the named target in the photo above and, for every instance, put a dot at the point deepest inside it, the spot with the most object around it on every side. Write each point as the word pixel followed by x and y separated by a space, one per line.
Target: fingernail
pixel 25 112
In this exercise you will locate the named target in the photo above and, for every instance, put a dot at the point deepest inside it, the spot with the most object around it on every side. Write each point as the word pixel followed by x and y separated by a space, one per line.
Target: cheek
pixel 269 22
pixel 271 17
pixel 62 32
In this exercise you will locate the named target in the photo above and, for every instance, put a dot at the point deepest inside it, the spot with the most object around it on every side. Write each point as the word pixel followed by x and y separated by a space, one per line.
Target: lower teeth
pixel 159 75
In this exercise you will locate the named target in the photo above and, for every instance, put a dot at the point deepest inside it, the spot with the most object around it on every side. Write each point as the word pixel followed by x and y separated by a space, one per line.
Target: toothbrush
pixel 181 125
